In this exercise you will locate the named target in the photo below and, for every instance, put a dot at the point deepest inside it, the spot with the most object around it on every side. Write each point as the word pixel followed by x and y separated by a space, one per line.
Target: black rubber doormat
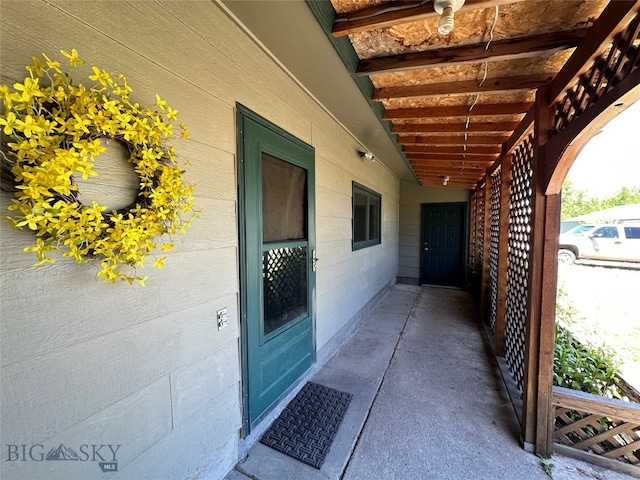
pixel 306 427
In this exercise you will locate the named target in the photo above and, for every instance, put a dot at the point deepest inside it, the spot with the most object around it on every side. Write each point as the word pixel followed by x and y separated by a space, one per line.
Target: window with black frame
pixel 367 208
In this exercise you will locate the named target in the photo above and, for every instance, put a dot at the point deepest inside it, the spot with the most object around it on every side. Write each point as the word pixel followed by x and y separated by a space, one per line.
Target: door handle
pixel 314 260
pixel 426 246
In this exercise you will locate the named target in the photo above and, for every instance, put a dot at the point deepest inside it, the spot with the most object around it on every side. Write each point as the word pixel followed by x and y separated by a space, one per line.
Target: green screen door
pixel 277 228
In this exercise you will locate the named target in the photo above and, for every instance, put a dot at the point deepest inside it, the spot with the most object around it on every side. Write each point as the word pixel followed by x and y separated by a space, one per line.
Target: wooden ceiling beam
pixel 454 139
pixel 453 181
pixel 458 111
pixel 453 177
pixel 506 49
pixel 477 171
pixel 393 13
pixel 452 173
pixel 465 87
pixel 472 150
pixel 498 127
pixel 437 182
pixel 429 162
pixel 452 158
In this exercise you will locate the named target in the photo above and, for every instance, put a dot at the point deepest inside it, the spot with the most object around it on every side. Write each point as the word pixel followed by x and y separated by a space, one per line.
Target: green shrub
pixel 582 367
pixel 577 366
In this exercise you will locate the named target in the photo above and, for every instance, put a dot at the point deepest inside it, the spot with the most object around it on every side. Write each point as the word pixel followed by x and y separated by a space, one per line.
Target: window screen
pixel 284 200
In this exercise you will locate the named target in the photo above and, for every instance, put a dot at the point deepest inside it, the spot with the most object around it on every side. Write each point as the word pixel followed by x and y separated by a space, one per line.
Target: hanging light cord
pixel 484 78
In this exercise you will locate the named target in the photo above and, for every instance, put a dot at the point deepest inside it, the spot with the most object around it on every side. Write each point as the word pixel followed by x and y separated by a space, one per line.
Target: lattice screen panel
pixel 473 220
pixel 494 236
pixel 480 226
pixel 284 277
pixel 518 258
pixel 599 434
pixel 605 73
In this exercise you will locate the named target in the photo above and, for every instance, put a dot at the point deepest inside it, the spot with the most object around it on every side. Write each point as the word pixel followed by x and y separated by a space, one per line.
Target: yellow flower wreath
pixel 53 133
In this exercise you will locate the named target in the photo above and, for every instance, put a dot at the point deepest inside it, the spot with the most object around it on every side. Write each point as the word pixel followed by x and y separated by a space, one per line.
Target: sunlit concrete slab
pixel 428 403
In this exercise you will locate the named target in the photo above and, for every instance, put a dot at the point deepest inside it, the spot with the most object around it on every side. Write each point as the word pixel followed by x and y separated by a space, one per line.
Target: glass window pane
pixel 374 218
pixel 359 217
pixel 284 200
pixel 284 276
pixel 366 217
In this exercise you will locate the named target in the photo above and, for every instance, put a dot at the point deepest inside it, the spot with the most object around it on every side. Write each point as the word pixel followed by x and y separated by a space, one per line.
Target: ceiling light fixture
pixel 445 180
pixel 368 155
pixel 446 8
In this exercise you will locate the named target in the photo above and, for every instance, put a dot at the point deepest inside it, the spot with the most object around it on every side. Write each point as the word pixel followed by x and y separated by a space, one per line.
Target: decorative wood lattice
pixel 606 72
pixel 599 426
pixel 518 258
pixel 473 243
pixel 494 236
pixel 480 226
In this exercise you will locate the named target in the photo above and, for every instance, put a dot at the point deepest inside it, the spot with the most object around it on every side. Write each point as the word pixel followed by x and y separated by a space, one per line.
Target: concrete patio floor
pixel 428 403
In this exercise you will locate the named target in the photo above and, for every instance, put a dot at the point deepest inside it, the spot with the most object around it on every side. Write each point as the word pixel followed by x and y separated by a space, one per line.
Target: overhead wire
pixel 484 78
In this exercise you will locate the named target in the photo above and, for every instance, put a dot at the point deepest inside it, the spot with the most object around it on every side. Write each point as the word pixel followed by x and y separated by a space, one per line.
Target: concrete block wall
pixel 85 364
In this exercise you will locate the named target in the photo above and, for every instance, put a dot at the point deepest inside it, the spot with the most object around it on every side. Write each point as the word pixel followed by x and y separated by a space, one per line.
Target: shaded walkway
pixel 428 402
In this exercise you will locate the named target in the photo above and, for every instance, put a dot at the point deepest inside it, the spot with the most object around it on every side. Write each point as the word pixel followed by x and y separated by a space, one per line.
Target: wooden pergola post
pixel 543 270
pixel 503 249
pixel 486 244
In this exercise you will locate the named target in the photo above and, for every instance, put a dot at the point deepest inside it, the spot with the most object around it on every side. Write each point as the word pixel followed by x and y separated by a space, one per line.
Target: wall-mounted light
pixel 368 156
pixel 446 8
pixel 445 180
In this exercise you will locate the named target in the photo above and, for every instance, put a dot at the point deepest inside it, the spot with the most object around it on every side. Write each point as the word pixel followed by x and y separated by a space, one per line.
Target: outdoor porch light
pixel 368 155
pixel 446 8
pixel 445 180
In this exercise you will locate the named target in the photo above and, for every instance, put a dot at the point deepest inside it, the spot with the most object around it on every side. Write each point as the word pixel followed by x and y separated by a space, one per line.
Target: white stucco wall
pixel 411 199
pixel 84 362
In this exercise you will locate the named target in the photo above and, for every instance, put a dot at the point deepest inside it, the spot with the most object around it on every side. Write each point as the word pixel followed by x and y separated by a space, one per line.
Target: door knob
pixel 426 246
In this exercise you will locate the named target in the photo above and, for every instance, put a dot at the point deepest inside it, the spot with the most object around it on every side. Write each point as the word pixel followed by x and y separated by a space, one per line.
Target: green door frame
pixel 242 115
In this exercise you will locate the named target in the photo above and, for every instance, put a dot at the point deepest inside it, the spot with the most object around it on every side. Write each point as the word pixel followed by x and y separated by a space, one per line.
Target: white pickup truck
pixel 619 242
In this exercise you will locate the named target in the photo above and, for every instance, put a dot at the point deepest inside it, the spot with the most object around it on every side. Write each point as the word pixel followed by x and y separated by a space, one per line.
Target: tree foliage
pixel 576 202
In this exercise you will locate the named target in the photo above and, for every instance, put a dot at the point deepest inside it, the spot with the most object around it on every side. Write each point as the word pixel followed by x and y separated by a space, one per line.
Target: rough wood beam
pixel 437 182
pixel 453 149
pixel 498 127
pixel 451 173
pixel 460 172
pixel 448 163
pixel 523 130
pixel 605 407
pixel 458 111
pixel 450 158
pixel 452 177
pixel 454 139
pixel 613 20
pixel 465 87
pixel 507 49
pixel 390 14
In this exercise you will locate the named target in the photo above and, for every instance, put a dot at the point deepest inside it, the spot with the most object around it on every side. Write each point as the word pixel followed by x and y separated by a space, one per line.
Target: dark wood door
pixel 442 245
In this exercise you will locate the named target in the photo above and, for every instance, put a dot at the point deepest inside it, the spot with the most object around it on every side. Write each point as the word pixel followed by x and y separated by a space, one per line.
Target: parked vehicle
pixel 619 242
pixel 580 229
